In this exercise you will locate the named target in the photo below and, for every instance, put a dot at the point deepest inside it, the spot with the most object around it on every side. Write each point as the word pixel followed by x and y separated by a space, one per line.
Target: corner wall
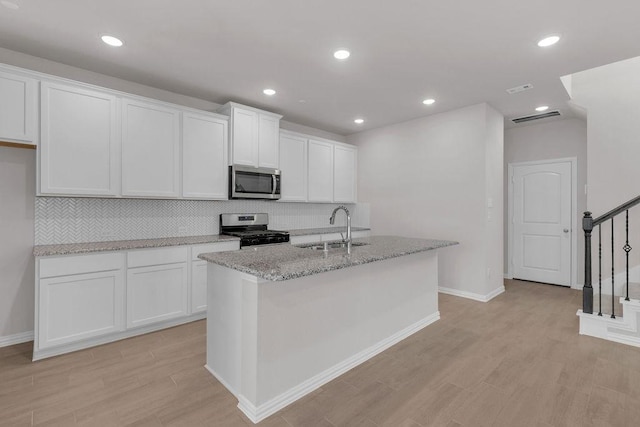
pixel 17 268
pixel 430 178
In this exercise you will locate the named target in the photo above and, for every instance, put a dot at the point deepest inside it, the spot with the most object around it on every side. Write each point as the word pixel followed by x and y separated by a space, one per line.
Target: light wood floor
pixel 515 361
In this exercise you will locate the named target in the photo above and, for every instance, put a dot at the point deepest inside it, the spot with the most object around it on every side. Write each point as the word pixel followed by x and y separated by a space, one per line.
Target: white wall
pixel 17 195
pixel 611 96
pixel 430 178
pixel 542 141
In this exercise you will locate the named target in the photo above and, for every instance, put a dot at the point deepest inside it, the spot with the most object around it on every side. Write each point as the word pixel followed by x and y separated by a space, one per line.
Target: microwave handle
pixel 275 183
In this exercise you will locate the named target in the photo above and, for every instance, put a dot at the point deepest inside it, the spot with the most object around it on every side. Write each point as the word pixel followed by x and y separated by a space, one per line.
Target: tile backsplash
pixel 76 220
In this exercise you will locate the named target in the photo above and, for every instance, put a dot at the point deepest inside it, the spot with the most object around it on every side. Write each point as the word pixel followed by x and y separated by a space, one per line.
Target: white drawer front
pixel 214 247
pixel 147 257
pixel 79 264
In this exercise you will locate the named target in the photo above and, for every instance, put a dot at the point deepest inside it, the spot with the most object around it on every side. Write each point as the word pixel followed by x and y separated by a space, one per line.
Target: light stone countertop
pixel 119 245
pixel 325 230
pixel 283 262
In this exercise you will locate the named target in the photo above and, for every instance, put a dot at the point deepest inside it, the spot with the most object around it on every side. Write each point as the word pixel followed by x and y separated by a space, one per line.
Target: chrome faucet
pixel 332 220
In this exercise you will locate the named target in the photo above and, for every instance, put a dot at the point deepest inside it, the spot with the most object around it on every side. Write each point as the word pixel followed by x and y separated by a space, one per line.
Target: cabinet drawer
pixel 213 247
pixel 147 257
pixel 79 264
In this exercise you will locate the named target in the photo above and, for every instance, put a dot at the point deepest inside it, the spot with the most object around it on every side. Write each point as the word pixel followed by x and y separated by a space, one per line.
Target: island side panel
pixel 309 327
pixel 224 325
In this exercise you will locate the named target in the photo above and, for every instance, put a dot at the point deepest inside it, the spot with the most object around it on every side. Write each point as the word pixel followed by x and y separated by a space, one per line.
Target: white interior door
pixel 542 214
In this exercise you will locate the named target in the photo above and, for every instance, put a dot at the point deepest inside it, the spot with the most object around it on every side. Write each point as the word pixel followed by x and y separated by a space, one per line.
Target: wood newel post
pixel 587 290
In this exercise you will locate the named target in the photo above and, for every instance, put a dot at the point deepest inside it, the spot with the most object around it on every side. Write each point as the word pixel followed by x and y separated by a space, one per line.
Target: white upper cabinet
pixel 320 172
pixel 204 156
pixel 150 149
pixel 254 136
pixel 293 167
pixel 244 137
pixel 268 141
pixel 345 159
pixel 79 148
pixel 18 108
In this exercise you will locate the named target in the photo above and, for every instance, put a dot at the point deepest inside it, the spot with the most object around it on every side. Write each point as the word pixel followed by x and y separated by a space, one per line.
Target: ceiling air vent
pixel 535 117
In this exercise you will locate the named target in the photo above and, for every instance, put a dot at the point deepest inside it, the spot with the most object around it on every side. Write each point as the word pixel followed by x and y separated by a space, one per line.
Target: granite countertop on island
pixel 119 245
pixel 284 262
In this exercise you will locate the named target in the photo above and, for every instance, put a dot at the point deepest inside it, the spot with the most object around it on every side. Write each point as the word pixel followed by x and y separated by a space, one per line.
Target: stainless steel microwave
pixel 247 182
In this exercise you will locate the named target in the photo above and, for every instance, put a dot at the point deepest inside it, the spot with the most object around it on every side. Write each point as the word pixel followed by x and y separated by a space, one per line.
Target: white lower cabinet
pixel 78 298
pixel 198 286
pixel 157 285
pixel 199 272
pixel 85 300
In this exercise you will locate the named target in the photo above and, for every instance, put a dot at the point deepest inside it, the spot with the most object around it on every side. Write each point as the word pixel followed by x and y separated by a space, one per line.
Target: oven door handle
pixel 275 183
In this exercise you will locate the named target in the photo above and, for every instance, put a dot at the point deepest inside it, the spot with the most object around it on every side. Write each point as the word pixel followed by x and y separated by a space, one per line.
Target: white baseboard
pixel 623 329
pixel 222 381
pixel 8 340
pixel 471 295
pixel 259 413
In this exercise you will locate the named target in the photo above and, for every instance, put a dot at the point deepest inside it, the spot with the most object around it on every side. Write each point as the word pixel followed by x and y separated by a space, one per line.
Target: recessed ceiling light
pixel 341 54
pixel 548 41
pixel 9 4
pixel 428 101
pixel 269 92
pixel 542 108
pixel 112 41
pixel 358 121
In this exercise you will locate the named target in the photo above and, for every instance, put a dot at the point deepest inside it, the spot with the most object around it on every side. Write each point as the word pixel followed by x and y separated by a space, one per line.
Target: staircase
pixel 616 313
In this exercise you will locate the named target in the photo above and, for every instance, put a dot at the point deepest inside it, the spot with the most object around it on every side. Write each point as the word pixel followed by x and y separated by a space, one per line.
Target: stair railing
pixel 588 224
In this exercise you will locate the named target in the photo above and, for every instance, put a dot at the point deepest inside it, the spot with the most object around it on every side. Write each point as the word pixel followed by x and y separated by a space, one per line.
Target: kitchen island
pixel 283 320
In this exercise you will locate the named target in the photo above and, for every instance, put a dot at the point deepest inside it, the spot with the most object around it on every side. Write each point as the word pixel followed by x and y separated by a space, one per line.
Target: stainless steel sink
pixel 331 245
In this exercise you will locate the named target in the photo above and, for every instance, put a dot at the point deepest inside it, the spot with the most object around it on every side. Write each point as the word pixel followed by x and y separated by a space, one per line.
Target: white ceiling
pixel 460 52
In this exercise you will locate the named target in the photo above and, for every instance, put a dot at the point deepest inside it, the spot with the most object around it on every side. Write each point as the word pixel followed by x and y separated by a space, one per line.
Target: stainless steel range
pixel 252 229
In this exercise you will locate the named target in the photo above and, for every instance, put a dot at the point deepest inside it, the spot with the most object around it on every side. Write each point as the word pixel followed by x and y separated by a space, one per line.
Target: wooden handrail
pixel 613 212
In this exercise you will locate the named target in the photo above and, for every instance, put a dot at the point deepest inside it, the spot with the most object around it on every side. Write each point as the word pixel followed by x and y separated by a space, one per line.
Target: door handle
pixel 566 230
